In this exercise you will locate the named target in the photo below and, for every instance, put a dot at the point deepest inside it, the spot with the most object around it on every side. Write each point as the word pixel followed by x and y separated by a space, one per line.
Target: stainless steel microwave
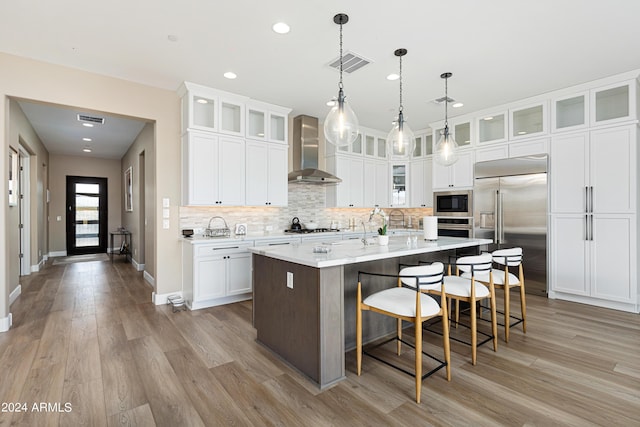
pixel 453 203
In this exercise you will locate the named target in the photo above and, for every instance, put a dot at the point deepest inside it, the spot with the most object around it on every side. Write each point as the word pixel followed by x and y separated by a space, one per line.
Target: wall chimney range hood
pixel 305 154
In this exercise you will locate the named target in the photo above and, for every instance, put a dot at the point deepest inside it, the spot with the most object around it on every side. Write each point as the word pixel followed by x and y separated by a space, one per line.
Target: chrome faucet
pixel 364 236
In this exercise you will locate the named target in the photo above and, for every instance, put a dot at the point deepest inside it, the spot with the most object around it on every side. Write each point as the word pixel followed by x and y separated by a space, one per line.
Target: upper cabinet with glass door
pixel 613 103
pixel 492 127
pixel 528 121
pixel 209 109
pixel 570 112
pixel 266 121
pixel 424 145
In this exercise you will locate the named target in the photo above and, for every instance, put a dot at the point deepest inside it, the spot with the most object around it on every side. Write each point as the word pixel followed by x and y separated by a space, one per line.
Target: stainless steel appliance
pixel 453 203
pixel 510 207
pixel 455 227
pixel 306 153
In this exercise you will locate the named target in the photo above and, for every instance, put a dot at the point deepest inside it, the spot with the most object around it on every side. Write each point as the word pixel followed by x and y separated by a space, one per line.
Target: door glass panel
pixel 491 128
pixel 417 152
pixel 204 112
pixel 277 128
pixel 231 117
pixel 370 145
pixel 570 112
pixel 428 145
pixel 399 191
pixel 356 147
pixel 87 220
pixel 382 147
pixel 612 103
pixel 256 123
pixel 528 121
pixel 462 133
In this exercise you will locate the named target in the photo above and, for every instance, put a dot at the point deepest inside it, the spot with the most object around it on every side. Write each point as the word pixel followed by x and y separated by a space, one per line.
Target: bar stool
pixel 468 288
pixel 405 300
pixel 504 279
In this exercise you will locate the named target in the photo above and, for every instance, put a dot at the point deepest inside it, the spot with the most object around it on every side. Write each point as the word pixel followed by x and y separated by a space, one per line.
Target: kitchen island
pixel 304 303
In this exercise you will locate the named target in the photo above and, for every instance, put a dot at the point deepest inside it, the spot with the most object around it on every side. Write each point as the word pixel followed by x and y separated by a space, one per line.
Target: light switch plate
pixel 165 202
pixel 289 280
pixel 165 224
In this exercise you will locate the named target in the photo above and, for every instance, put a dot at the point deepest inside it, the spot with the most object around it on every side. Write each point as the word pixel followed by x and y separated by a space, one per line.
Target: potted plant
pixel 383 239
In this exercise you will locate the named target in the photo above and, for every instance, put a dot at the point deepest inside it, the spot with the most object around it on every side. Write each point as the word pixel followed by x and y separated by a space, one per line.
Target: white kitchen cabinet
pixel 529 147
pixel 213 173
pixel 215 274
pixel 570 112
pixel 400 184
pixel 458 175
pixel 528 121
pixel 376 183
pixel 266 168
pixel 594 170
pixel 614 103
pixel 232 110
pixel 266 122
pixel 593 259
pixel 350 192
pixel 593 224
pixel 492 127
pixel 494 152
pixel 420 183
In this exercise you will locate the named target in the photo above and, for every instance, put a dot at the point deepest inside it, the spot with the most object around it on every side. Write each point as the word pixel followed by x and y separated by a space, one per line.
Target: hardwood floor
pixel 85 335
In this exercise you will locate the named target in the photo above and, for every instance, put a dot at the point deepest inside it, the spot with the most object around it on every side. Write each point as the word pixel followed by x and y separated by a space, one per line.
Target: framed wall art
pixel 128 190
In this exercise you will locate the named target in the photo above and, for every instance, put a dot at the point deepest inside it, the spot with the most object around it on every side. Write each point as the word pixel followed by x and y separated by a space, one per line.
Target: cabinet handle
pixel 278 244
pixel 591 199
pixel 586 227
pixel 225 248
pixel 586 199
pixel 591 228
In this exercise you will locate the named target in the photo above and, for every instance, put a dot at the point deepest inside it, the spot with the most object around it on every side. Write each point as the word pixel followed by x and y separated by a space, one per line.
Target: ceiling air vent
pixel 90 119
pixel 442 99
pixel 350 62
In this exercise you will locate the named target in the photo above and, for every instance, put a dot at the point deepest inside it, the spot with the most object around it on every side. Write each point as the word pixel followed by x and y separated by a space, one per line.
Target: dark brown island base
pixel 304 302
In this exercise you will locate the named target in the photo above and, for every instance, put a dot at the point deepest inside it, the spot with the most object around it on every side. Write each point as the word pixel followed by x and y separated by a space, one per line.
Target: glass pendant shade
pixel 341 125
pixel 446 152
pixel 400 141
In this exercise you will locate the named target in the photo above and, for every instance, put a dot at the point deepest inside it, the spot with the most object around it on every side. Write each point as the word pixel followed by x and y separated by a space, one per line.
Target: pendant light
pixel 446 152
pixel 400 141
pixel 341 124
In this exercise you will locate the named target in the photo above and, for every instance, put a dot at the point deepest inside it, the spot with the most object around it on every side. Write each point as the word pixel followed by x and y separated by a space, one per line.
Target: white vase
pixel 383 240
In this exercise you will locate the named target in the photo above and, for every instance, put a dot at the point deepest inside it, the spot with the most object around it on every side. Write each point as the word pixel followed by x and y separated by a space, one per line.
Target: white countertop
pixel 354 251
pixel 280 235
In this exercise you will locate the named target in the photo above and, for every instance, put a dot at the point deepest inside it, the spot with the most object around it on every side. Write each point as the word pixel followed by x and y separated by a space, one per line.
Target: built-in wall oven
pixel 454 210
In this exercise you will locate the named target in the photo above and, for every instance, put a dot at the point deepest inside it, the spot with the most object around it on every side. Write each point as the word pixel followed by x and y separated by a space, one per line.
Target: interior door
pixel 86 215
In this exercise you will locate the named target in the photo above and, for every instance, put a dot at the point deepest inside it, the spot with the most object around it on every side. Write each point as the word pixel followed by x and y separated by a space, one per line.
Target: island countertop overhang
pixel 354 251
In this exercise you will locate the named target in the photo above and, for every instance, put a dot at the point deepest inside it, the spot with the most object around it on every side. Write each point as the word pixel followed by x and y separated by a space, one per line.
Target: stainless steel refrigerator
pixel 510 207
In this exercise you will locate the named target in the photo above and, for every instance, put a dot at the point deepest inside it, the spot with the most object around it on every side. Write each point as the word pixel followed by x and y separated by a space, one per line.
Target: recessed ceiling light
pixel 86 139
pixel 230 75
pixel 331 103
pixel 281 28
pixel 522 132
pixel 202 101
pixel 488 118
pixel 457 105
pixel 89 125
pixel 86 149
pixel 393 76
pixel 172 38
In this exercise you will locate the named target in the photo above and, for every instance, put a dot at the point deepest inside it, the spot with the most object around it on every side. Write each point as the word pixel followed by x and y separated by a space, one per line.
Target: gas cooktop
pixel 317 230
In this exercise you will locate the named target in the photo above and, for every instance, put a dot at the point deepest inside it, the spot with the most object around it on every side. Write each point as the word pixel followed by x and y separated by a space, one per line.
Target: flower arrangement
pixel 382 231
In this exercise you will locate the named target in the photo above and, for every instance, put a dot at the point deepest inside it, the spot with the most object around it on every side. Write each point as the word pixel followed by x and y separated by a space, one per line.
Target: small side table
pixel 125 243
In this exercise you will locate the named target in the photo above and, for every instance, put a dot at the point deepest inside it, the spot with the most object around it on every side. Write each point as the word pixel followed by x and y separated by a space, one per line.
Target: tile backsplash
pixel 307 202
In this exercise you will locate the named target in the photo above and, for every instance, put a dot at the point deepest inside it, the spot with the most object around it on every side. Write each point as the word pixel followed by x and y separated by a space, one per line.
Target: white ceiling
pixel 498 51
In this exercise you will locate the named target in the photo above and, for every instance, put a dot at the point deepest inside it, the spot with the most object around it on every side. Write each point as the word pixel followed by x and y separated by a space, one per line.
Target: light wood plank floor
pixel 86 335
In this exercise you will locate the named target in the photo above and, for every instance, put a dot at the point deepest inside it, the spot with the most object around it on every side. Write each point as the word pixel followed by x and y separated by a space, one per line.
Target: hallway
pixel 87 340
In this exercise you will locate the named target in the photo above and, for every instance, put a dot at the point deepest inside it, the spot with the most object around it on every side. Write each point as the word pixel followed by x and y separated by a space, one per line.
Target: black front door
pixel 86 215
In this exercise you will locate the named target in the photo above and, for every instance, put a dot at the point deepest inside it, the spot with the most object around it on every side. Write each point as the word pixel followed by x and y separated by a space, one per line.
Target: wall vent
pixel 90 119
pixel 350 62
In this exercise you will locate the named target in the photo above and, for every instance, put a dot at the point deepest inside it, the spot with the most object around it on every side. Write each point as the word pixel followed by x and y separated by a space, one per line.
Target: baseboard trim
pixel 57 253
pixel 5 323
pixel 40 265
pixel 160 299
pixel 15 294
pixel 138 267
pixel 149 278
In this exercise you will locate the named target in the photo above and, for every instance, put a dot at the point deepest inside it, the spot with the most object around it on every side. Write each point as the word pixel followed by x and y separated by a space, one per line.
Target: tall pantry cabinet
pixel 593 200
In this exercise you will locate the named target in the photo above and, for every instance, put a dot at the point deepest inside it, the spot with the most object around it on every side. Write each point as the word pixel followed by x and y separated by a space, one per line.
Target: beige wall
pixel 63 166
pixel 22 133
pixel 39 81
pixel 141 221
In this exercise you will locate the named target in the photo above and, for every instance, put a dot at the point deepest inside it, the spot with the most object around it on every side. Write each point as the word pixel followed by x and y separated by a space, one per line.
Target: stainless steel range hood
pixel 305 153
